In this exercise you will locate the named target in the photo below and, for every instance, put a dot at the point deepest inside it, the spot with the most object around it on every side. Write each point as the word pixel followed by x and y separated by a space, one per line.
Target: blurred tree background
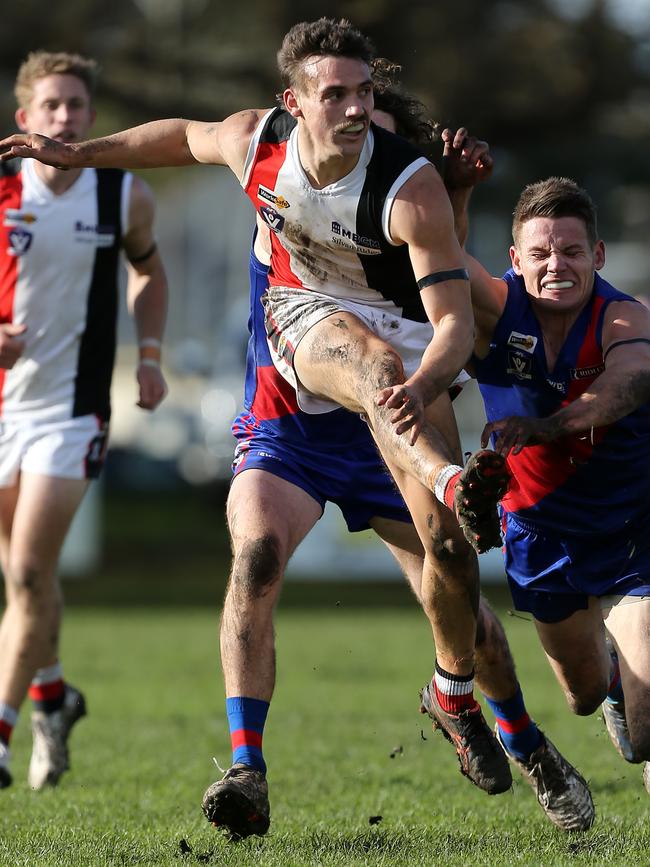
pixel 555 86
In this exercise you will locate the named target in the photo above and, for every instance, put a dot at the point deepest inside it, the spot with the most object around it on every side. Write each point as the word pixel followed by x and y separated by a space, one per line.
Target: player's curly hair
pixel 555 197
pixel 408 112
pixel 39 64
pixel 326 36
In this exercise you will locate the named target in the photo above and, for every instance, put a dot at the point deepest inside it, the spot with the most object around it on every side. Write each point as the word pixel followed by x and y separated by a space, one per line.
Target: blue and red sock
pixel 519 734
pixel 615 688
pixel 47 689
pixel 455 692
pixel 246 718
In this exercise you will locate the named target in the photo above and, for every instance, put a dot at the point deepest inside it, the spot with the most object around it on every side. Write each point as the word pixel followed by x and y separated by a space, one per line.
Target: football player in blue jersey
pixel 562 359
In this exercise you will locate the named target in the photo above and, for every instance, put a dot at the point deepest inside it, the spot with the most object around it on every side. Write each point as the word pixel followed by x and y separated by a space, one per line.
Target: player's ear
pixel 291 103
pixel 515 258
pixel 21 119
pixel 599 255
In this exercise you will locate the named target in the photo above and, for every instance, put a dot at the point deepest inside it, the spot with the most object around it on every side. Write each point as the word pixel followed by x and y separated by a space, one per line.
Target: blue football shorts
pixel 552 575
pixel 355 479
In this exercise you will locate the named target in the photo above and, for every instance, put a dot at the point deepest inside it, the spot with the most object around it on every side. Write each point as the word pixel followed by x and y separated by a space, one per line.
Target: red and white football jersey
pixel 58 275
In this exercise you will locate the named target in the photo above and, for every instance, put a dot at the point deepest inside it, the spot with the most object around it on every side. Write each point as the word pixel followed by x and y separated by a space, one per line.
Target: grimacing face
pixel 557 262
pixel 335 103
pixel 59 108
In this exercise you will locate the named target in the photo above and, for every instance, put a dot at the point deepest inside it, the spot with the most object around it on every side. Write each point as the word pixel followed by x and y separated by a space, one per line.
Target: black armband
pixel 441 276
pixel 622 342
pixel 135 260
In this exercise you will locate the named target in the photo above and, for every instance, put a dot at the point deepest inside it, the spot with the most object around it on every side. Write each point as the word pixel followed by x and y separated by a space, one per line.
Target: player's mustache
pixel 345 126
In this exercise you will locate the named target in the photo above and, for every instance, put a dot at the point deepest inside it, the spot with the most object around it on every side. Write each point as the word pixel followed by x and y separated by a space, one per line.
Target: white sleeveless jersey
pixel 335 241
pixel 58 276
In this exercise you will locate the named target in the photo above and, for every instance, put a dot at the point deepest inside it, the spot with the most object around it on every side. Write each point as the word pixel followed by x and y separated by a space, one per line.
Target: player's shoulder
pixel 278 126
pixel 393 148
pixel 606 290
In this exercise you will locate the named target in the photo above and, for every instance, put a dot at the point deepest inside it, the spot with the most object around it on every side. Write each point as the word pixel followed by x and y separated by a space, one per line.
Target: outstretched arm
pixel 623 386
pixel 146 294
pixel 174 142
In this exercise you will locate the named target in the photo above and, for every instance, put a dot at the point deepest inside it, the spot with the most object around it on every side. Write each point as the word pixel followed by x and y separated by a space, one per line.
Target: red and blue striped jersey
pixel 591 483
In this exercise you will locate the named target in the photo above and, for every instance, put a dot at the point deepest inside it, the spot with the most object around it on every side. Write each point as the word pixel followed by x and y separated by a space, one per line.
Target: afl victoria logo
pixel 272 219
pixel 20 240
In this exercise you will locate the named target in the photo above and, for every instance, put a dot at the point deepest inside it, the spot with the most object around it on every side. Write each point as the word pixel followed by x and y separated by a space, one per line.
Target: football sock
pixel 615 688
pixel 445 484
pixel 246 718
pixel 455 692
pixel 519 734
pixel 8 719
pixel 47 689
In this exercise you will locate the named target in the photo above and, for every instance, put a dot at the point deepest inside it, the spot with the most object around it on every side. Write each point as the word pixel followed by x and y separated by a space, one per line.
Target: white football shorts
pixel 290 313
pixel 70 449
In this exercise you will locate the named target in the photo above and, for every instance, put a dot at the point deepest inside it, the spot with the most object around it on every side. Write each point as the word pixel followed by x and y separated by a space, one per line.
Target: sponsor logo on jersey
pixel 343 237
pixel 586 372
pixel 20 240
pixel 558 386
pixel 94 233
pixel 13 216
pixel 270 196
pixel 273 220
pixel 527 342
pixel 519 365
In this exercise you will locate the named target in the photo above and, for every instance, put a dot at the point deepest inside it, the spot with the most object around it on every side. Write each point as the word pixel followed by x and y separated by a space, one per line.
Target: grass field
pixel 344 743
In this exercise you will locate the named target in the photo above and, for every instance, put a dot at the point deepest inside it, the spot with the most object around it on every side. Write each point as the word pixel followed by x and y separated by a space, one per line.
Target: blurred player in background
pixel 61 235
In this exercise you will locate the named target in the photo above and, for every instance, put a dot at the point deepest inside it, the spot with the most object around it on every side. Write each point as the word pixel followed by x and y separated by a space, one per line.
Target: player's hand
pixel 38 147
pixel 152 385
pixel 466 160
pixel 410 406
pixel 516 432
pixel 12 344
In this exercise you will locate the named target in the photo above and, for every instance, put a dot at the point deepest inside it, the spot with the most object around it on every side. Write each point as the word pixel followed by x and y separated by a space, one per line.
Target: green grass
pixel 346 699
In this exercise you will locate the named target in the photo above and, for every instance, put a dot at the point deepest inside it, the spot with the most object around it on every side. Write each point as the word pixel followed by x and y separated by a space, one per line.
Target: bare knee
pixel 639 728
pixel 30 587
pixel 451 554
pixel 640 740
pixel 454 567
pixel 587 700
pixel 257 566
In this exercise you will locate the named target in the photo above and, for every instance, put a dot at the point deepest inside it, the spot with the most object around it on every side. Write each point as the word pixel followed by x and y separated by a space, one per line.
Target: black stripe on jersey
pixel 278 127
pixel 97 349
pixel 10 168
pixel 390 272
